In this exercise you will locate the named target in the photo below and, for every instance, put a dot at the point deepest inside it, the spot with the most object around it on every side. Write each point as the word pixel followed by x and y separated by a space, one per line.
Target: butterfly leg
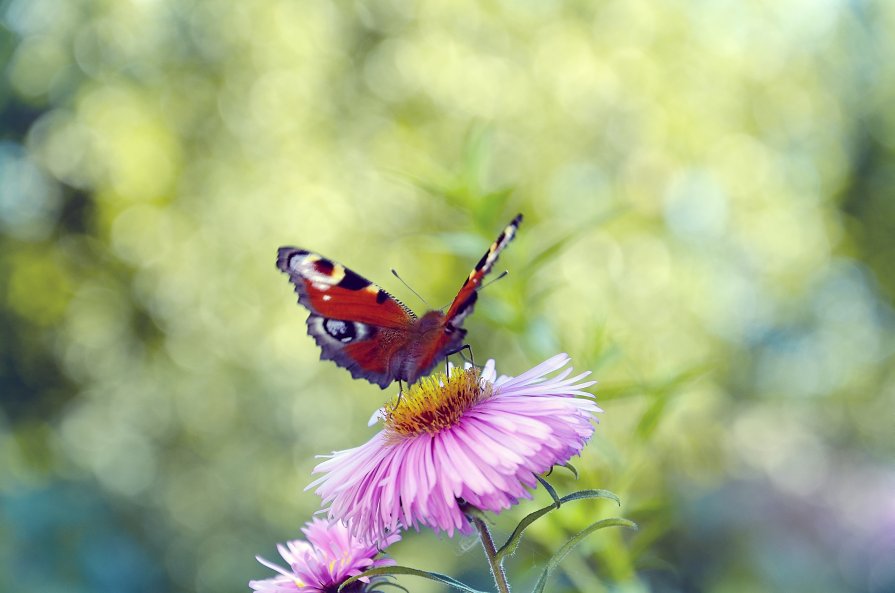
pixel 400 393
pixel 471 357
pixel 459 351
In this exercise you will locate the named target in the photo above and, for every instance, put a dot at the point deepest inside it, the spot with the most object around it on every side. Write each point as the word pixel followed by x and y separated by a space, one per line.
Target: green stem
pixel 496 564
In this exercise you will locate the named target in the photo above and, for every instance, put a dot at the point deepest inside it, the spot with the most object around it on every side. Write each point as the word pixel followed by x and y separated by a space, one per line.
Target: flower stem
pixel 500 577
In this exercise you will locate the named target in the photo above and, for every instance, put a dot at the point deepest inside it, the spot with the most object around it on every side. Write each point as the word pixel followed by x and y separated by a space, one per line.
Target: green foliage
pixel 513 542
pixel 404 570
pixel 708 203
pixel 560 555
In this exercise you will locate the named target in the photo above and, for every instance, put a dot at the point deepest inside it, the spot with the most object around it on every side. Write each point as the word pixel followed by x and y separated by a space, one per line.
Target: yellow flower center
pixel 434 403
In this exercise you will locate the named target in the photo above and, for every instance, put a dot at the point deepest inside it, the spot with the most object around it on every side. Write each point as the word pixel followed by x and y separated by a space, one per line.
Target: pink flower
pixel 329 557
pixel 473 438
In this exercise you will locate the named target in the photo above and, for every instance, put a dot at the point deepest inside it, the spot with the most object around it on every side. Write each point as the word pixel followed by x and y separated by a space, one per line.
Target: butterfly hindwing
pixel 357 325
pixel 358 347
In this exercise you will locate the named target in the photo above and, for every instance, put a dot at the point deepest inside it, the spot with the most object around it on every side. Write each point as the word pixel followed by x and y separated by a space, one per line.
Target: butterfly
pixel 366 330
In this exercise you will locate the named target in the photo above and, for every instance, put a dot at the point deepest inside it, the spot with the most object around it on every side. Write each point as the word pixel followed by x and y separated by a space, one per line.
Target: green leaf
pixel 433 576
pixel 391 584
pixel 577 539
pixel 662 392
pixel 655 388
pixel 567 465
pixel 650 419
pixel 621 390
pixel 513 541
pixel 571 468
pixel 477 152
pixel 552 250
pixel 581 494
pixel 492 209
pixel 550 490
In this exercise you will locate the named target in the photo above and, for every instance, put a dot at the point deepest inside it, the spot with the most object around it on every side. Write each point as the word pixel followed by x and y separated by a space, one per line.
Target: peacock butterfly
pixel 366 330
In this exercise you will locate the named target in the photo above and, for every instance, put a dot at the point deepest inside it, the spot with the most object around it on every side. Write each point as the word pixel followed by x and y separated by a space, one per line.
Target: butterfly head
pixel 435 324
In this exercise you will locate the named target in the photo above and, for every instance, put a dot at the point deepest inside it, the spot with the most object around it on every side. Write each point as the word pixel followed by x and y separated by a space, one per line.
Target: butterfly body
pixel 365 330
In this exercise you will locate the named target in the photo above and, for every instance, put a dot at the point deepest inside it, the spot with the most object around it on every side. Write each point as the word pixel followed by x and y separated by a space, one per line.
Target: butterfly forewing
pixel 462 304
pixel 334 291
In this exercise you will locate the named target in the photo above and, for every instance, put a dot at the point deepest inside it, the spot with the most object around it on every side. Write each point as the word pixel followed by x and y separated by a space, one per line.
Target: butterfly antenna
pixel 395 273
pixel 490 282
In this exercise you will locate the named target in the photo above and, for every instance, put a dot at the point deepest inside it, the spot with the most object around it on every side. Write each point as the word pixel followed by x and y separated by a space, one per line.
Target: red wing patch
pixel 334 291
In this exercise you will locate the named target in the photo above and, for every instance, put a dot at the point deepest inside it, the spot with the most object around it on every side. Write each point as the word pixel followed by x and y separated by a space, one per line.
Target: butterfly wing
pixel 357 325
pixel 463 303
pixel 435 345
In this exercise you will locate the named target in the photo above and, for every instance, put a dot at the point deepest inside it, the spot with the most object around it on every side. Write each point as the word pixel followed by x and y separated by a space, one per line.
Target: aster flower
pixel 328 558
pixel 472 439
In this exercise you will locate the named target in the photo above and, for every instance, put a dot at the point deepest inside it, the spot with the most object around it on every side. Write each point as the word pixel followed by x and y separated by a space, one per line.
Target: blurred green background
pixel 710 227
